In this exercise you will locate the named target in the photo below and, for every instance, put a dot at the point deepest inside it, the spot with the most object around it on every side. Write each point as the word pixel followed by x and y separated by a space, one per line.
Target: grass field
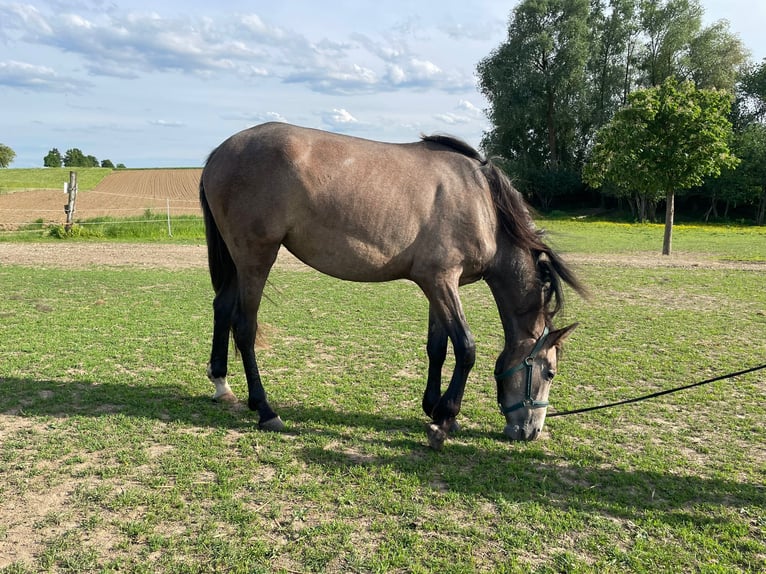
pixel 50 178
pixel 114 459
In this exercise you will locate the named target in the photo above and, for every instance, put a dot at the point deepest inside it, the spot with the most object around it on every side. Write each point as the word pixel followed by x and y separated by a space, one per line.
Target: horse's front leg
pixel 447 310
pixel 436 348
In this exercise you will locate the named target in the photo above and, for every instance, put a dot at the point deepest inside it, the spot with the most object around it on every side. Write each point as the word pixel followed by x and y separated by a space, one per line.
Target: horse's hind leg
pixel 223 309
pixel 252 280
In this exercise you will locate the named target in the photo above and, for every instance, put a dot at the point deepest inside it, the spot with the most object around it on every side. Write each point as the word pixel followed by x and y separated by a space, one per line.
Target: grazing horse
pixel 434 212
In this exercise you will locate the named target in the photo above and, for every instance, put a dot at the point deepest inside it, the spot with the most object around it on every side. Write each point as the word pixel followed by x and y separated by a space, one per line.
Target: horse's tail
pixel 222 268
pixel 223 271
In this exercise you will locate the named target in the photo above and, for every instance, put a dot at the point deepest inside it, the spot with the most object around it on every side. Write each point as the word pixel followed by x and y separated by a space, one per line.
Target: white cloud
pixel 129 45
pixel 255 118
pixel 27 76
pixel 469 108
pixel 378 72
pixel 339 118
pixel 167 123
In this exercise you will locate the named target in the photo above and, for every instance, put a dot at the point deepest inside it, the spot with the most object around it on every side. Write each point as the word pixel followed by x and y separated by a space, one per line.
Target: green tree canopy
pixel 7 155
pixel 668 138
pixel 53 158
pixel 534 82
pixel 75 158
pixel 567 66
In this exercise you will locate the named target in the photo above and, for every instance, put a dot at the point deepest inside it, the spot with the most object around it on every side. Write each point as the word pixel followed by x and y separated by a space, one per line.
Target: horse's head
pixel 524 375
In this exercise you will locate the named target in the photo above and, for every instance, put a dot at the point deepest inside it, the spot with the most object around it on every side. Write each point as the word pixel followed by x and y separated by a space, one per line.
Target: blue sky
pixel 153 84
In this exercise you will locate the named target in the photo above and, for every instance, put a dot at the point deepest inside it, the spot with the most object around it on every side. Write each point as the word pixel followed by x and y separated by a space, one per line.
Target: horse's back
pixel 350 207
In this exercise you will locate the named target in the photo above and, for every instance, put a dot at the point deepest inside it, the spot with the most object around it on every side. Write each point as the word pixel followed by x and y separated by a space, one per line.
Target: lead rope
pixel 657 394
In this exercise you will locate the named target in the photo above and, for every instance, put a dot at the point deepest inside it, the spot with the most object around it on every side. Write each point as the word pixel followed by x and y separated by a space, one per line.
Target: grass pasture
pixel 113 458
pixel 12 180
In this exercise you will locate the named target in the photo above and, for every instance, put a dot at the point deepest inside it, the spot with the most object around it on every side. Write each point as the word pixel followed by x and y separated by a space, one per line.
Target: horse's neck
pixel 516 289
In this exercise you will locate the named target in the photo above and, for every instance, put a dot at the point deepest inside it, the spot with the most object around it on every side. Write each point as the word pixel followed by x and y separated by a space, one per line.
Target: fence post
pixel 170 231
pixel 69 207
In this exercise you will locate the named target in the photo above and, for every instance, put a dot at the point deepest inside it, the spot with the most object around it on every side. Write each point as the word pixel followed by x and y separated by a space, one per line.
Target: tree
pixel 53 159
pixel 669 27
pixel 750 145
pixel 107 163
pixel 7 155
pixel 668 138
pixel 567 66
pixel 716 58
pixel 75 158
pixel 613 41
pixel 534 82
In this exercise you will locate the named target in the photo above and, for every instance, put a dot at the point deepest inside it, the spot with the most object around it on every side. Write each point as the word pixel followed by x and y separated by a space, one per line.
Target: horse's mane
pixel 516 220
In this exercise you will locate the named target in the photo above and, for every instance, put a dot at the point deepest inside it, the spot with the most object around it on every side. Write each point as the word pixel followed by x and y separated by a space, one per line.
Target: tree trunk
pixel 669 213
pixel 759 220
pixel 551 125
pixel 651 210
pixel 641 207
pixel 713 209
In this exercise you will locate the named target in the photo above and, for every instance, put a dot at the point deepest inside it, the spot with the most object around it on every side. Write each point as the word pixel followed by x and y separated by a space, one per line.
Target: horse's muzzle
pixel 525 432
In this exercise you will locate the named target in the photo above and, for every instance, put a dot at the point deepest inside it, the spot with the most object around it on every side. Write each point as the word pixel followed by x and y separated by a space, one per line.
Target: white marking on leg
pixel 222 389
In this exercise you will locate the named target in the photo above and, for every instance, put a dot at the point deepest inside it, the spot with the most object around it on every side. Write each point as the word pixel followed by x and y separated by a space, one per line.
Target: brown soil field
pixel 121 194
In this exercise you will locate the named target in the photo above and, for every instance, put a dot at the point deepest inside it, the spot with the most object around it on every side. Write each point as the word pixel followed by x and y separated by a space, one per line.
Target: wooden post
pixel 69 207
pixel 170 230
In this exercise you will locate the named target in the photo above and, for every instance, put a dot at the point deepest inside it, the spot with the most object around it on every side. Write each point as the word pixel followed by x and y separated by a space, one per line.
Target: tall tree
pixel 535 82
pixel 716 58
pixel 567 66
pixel 669 138
pixel 614 30
pixel 669 27
pixel 7 155
pixel 751 102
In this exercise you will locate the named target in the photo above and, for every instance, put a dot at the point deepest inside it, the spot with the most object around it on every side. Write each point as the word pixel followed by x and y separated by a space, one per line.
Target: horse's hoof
pixel 274 425
pixel 454 427
pixel 225 398
pixel 436 436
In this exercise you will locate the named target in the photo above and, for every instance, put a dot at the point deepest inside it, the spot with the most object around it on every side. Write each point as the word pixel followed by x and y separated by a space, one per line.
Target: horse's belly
pixel 350 258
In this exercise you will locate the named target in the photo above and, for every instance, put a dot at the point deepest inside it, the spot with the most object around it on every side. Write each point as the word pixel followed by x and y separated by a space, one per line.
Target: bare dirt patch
pixel 143 255
pixel 176 256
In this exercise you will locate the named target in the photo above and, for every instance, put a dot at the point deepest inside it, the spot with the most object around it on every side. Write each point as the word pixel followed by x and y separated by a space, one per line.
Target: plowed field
pixel 123 193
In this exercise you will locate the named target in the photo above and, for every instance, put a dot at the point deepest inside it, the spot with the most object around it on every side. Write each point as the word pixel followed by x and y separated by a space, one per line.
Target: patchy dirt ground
pixel 170 256
pixel 142 255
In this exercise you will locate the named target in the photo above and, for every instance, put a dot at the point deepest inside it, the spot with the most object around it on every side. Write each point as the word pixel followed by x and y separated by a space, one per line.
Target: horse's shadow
pixel 531 474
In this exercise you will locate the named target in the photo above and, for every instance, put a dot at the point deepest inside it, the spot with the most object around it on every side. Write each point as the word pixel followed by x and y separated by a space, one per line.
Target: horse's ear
pixel 558 336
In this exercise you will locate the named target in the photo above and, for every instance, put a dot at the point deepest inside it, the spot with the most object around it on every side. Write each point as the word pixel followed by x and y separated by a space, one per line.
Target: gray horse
pixel 434 212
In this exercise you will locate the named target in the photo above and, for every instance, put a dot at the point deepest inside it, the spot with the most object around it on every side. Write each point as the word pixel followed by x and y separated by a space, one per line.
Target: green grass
pixel 116 460
pixel 735 242
pixel 149 226
pixel 720 242
pixel 50 178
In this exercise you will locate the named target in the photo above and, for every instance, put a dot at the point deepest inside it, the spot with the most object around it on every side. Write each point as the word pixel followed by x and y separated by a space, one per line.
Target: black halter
pixel 527 363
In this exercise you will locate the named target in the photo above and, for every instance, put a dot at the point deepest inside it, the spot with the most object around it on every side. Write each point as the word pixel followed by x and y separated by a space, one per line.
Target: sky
pixel 161 84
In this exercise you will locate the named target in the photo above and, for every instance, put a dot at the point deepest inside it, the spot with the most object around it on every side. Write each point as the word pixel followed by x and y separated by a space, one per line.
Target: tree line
pixel 74 157
pixel 577 84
